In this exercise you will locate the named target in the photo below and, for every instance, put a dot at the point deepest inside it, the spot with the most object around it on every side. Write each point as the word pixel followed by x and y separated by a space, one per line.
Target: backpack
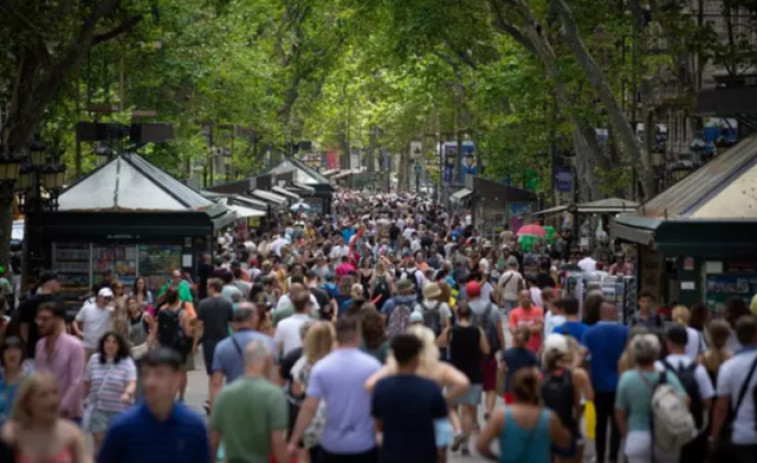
pixel 170 333
pixel 689 382
pixel 484 320
pixel 398 320
pixel 558 394
pixel 381 290
pixel 410 275
pixel 672 424
pixel 432 318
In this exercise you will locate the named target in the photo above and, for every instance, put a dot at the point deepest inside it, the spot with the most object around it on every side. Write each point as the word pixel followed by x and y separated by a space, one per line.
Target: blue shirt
pixel 574 329
pixel 339 380
pixel 7 394
pixel 516 358
pixel 228 358
pixel 605 342
pixel 389 306
pixel 136 436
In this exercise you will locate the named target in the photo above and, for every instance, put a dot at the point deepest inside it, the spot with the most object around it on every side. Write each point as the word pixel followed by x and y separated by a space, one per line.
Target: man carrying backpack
pixel 436 313
pixel 415 275
pixel 485 315
pixel 695 380
pixel 397 309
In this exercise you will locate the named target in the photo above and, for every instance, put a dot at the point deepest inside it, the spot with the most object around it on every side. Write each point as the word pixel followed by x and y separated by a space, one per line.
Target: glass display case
pixel 121 259
pixel 72 263
pixel 156 262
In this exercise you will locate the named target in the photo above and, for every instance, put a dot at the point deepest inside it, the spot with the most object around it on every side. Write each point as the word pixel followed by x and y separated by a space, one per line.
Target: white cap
pixel 556 342
pixel 105 292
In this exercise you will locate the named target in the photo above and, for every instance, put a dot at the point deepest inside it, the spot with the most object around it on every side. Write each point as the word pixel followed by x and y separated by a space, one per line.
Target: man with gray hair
pixel 250 415
pixel 228 358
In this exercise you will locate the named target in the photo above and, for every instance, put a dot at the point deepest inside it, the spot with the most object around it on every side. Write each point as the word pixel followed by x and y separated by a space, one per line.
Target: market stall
pixel 128 218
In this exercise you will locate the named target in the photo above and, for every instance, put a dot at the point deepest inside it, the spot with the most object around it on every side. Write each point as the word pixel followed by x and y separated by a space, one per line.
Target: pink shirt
pixel 67 364
pixel 535 315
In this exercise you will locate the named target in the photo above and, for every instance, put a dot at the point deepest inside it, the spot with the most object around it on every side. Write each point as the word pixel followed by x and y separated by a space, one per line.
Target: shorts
pixel 443 432
pixel 472 396
pixel 208 349
pixel 572 450
pixel 101 420
pixel 489 373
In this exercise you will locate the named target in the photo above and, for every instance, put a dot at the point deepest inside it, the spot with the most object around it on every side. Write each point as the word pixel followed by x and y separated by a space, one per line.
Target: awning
pixel 269 197
pixel 330 172
pixel 244 212
pixel 552 210
pixel 295 186
pixel 250 202
pixel 284 192
pixel 461 194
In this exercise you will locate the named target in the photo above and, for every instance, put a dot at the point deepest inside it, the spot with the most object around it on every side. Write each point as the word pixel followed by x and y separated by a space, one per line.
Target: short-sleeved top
pixel 634 396
pixel 606 342
pixel 407 406
pixel 731 378
pixel 287 333
pixel 574 329
pixel 339 379
pixel 215 313
pixel 228 358
pixel 28 315
pixel 7 394
pixel 704 384
pixel 479 306
pixel 95 323
pixel 107 382
pixel 245 414
pixel 529 317
pixel 136 436
pixel 516 358
pixel 444 309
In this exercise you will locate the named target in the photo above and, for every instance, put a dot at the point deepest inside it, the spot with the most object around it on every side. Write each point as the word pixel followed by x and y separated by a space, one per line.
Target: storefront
pixel 128 218
pixel 495 207
pixel 697 241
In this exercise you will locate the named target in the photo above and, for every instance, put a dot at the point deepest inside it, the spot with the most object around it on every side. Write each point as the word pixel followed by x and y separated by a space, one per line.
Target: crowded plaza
pixel 386 331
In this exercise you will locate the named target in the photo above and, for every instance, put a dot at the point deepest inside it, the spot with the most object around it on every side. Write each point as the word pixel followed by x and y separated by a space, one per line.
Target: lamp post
pixel 39 182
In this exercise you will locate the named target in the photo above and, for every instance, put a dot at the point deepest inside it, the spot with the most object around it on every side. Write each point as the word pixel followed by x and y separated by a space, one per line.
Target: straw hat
pixel 431 290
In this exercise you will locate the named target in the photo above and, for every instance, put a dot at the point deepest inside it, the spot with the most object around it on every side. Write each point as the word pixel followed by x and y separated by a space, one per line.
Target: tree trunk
pixel 624 134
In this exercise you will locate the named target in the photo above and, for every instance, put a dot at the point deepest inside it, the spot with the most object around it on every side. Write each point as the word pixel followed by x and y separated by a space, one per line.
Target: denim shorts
pixel 443 432
pixel 472 396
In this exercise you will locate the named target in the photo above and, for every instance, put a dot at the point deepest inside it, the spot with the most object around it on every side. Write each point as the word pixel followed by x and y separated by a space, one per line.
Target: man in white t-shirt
pixel 588 264
pixel 679 363
pixel 277 243
pixel 93 320
pixel 287 336
pixel 731 378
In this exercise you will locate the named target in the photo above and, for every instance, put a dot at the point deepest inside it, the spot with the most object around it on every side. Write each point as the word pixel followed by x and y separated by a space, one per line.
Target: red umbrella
pixel 532 229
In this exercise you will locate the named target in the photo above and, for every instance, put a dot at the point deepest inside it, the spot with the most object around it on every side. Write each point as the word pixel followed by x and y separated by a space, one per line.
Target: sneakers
pixel 465 452
pixel 457 442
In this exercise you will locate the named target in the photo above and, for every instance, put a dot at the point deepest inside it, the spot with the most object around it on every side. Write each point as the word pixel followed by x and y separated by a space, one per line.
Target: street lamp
pixel 10 167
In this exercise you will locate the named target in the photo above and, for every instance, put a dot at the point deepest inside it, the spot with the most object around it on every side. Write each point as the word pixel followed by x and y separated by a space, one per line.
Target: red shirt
pixel 344 269
pixel 532 316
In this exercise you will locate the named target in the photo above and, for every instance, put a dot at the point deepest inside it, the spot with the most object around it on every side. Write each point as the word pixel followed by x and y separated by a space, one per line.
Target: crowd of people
pixel 379 333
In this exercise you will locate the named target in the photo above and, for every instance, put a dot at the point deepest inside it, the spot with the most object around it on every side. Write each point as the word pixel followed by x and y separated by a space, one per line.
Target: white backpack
pixel 672 424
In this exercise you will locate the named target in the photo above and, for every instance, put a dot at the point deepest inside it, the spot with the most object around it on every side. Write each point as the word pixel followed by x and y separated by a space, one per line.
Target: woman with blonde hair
pixel 450 379
pixel 695 340
pixel 718 352
pixel 319 342
pixel 36 431
pixel 626 362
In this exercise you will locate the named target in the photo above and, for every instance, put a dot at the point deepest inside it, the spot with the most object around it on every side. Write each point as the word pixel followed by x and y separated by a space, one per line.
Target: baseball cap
pixel 473 289
pixel 105 292
pixel 556 342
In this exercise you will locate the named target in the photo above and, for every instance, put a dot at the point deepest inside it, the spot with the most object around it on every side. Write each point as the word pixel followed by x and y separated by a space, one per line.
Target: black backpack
pixel 170 333
pixel 381 289
pixel 485 322
pixel 688 380
pixel 432 318
pixel 559 396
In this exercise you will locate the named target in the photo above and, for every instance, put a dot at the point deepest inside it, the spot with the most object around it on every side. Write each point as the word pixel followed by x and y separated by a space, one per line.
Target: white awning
pixel 269 196
pixel 244 212
pixel 461 194
pixel 284 192
pixel 301 186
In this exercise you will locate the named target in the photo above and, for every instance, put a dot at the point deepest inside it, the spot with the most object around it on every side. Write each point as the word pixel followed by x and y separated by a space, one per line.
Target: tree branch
pixel 122 28
pixel 509 29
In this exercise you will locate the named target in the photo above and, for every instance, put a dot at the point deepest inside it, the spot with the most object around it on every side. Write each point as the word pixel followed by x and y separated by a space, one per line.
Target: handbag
pixel 89 407
pixel 139 351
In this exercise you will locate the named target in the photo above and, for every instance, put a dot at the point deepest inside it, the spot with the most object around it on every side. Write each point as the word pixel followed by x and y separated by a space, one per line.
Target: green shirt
pixel 185 292
pixel 634 396
pixel 245 414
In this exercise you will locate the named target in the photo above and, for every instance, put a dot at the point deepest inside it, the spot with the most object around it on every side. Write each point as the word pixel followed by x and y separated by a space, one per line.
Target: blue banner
pixel 563 179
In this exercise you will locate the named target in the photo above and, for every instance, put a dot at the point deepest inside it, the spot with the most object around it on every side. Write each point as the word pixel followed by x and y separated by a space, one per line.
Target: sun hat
pixel 431 290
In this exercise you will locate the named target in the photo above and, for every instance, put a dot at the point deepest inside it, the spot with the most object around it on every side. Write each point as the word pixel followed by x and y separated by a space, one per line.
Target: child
pixel 517 357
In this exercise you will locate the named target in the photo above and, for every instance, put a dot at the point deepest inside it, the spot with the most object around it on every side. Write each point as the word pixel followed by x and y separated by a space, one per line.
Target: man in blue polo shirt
pixel 606 341
pixel 158 430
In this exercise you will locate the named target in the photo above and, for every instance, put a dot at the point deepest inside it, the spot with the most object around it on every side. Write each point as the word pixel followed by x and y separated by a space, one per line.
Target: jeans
pixel 605 404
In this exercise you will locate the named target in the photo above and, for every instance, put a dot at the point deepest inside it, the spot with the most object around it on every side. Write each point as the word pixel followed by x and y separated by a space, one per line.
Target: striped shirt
pixel 116 376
